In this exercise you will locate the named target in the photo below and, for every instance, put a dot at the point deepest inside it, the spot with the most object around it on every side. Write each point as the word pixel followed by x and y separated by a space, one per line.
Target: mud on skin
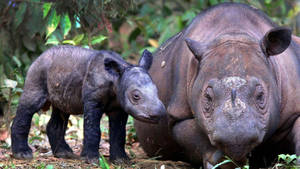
pixel 75 80
pixel 229 81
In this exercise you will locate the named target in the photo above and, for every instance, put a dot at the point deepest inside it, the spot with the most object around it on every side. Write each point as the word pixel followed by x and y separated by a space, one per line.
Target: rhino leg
pixel 117 134
pixel 31 101
pixel 56 129
pixel 92 134
pixel 296 138
pixel 194 142
pixel 196 145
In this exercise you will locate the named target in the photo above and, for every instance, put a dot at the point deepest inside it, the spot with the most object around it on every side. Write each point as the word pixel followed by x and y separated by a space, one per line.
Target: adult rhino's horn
pixel 276 41
pixel 196 48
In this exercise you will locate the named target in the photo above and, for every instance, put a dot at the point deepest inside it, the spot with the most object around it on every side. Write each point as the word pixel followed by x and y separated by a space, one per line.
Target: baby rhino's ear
pixel 113 67
pixel 146 60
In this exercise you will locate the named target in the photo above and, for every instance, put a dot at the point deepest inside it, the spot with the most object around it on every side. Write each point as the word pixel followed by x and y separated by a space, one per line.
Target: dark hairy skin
pixel 230 83
pixel 75 80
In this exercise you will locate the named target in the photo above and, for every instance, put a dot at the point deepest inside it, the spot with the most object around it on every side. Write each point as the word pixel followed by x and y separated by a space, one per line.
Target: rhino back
pixel 65 74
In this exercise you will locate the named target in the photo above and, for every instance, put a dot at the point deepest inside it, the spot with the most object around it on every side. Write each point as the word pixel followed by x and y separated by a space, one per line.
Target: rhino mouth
pixel 146 118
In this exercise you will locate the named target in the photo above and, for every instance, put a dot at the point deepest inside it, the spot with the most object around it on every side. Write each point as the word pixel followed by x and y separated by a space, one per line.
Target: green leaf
pixel 65 24
pixel 17 61
pixel 98 39
pixel 149 48
pixel 46 9
pixel 49 167
pixel 31 139
pixel 291 158
pixel 188 15
pixel 78 38
pixel 36 119
pixel 282 156
pixel 268 1
pixel 53 22
pixel 71 42
pixel 221 163
pixel 20 15
pixel 103 163
pixel 52 40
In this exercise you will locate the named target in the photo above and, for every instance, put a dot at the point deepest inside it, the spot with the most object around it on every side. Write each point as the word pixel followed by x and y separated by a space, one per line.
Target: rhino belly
pixel 65 92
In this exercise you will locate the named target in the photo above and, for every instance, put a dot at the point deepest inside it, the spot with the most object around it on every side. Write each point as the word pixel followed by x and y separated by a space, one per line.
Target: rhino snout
pixel 159 112
pixel 236 144
pixel 151 114
pixel 156 113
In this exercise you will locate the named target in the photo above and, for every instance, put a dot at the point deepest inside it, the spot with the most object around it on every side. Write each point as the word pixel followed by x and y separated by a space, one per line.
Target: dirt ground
pixel 43 158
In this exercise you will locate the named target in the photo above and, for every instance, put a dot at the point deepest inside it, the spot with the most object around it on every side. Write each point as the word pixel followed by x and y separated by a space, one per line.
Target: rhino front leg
pixel 196 144
pixel 117 134
pixel 92 134
pixel 31 101
pixel 296 138
pixel 56 129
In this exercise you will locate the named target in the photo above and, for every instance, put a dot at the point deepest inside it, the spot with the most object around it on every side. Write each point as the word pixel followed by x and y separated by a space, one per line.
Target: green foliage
pixel 27 28
pixel 44 166
pixel 10 166
pixel 52 23
pixel 229 160
pixel 103 163
pixel 287 161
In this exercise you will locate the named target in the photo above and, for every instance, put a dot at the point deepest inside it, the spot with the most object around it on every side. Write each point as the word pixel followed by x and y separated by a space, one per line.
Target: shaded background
pixel 29 27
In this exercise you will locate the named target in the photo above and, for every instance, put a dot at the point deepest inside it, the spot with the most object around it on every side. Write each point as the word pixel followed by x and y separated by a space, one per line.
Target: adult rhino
pixel 231 85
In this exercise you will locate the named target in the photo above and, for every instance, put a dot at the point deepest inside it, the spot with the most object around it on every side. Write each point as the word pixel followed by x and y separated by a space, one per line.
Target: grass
pixel 285 161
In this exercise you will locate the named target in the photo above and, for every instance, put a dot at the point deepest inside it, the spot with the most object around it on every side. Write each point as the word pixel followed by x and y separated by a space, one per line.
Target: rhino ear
pixel 276 41
pixel 113 67
pixel 196 48
pixel 146 60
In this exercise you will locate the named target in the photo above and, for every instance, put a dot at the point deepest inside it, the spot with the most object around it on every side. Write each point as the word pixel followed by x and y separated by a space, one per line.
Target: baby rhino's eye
pixel 135 96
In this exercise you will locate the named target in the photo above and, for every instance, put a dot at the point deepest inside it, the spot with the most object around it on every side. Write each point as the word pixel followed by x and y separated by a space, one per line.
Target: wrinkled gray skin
pixel 75 80
pixel 230 82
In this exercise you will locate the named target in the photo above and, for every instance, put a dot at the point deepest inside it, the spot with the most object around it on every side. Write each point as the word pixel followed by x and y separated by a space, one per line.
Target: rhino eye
pixel 208 101
pixel 135 96
pixel 260 97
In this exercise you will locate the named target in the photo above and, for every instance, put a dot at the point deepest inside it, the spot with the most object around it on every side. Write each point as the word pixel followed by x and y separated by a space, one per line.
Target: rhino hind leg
pixel 56 129
pixel 32 100
pixel 117 134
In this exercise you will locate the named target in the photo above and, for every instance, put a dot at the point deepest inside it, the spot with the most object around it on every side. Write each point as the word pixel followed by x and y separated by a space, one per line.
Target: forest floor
pixel 43 158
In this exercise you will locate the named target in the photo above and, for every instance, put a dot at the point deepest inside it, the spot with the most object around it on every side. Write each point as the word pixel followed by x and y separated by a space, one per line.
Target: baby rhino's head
pixel 136 92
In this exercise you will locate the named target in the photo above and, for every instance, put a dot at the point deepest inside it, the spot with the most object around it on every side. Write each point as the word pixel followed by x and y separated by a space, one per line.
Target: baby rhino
pixel 75 80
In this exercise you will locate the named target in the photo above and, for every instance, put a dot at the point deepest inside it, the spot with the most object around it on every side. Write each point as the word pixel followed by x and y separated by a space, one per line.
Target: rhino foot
pixel 121 161
pixel 66 155
pixel 90 160
pixel 25 155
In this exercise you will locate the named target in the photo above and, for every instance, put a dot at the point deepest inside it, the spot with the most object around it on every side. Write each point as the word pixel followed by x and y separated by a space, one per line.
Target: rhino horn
pixel 276 41
pixel 196 48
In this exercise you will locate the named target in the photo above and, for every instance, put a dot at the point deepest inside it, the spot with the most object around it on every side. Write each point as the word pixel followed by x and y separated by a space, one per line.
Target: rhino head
pixel 135 90
pixel 235 96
